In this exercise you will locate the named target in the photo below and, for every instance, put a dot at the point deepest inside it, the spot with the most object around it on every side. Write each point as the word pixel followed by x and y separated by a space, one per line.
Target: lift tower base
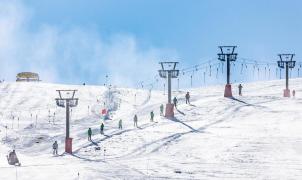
pixel 286 93
pixel 68 145
pixel 228 91
pixel 169 111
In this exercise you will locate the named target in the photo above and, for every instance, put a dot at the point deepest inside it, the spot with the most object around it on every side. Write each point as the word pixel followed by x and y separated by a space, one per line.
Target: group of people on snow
pixel 135 120
pixel 187 97
pixel 120 122
pixel 13 160
pixel 89 132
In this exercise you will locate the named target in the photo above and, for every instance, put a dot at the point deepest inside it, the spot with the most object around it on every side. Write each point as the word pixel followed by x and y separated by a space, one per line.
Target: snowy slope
pixel 257 136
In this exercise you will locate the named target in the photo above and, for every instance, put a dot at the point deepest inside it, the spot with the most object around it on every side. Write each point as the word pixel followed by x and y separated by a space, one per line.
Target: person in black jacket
pixel 89 134
pixel 135 120
pixel 102 128
pixel 240 89
pixel 55 148
pixel 188 98
pixel 175 102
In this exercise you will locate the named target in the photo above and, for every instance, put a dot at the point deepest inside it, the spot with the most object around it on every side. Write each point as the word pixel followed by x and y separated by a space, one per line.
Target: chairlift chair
pixel 164 73
pixel 291 64
pixel 60 102
pixel 280 64
pixel 221 57
pixel 233 57
pixel 73 102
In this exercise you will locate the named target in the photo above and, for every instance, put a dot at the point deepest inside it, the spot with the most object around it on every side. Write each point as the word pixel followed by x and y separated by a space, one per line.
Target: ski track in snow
pixel 256 136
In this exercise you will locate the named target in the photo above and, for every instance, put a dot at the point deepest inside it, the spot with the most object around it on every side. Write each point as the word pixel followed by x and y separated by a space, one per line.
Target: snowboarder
pixel 102 128
pixel 187 98
pixel 55 148
pixel 120 124
pixel 161 108
pixel 151 116
pixel 175 102
pixel 135 120
pixel 13 159
pixel 89 134
pixel 294 93
pixel 240 89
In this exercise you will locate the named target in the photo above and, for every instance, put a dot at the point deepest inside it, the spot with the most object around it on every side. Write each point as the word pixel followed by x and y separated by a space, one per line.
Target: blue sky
pixel 188 31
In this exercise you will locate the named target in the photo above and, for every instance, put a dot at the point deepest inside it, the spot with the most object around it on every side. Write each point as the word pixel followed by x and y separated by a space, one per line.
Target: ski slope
pixel 256 136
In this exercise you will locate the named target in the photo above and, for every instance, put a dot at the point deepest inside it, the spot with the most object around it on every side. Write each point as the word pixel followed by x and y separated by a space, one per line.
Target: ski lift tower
pixel 168 71
pixel 227 54
pixel 67 100
pixel 286 61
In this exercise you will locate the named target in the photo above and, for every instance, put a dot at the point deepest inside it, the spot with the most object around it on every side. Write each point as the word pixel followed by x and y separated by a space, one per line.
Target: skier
pixel 120 124
pixel 135 120
pixel 294 93
pixel 240 89
pixel 175 102
pixel 13 159
pixel 55 148
pixel 89 134
pixel 187 98
pixel 152 116
pixel 102 128
pixel 161 109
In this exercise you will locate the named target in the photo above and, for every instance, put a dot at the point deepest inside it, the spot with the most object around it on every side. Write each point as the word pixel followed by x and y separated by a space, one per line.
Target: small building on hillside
pixel 27 77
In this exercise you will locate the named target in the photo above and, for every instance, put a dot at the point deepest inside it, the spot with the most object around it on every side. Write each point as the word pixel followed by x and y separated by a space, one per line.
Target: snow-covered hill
pixel 256 136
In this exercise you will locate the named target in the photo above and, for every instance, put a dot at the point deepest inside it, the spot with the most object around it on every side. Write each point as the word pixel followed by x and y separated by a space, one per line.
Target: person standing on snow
pixel 187 98
pixel 89 134
pixel 175 102
pixel 161 108
pixel 294 93
pixel 55 148
pixel 135 120
pixel 120 124
pixel 240 89
pixel 13 159
pixel 151 116
pixel 102 128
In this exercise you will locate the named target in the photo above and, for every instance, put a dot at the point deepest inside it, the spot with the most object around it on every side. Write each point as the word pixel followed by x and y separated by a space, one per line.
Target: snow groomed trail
pixel 256 136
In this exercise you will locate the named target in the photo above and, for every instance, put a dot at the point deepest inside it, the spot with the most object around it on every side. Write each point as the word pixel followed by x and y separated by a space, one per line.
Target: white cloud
pixel 72 56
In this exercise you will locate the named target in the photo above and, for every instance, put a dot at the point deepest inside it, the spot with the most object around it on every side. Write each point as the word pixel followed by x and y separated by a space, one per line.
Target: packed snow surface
pixel 254 136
